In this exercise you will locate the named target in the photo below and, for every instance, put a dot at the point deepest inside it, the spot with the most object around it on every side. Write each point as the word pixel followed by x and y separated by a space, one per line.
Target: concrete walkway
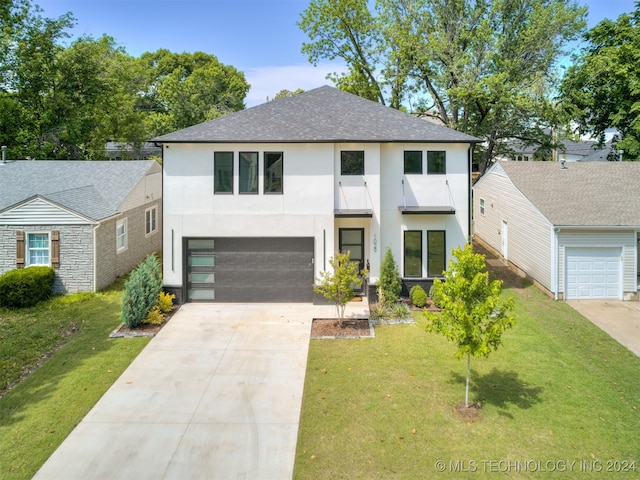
pixel 215 395
pixel 618 318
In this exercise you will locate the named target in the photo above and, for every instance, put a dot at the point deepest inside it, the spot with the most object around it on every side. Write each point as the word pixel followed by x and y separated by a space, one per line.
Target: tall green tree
pixel 602 89
pixel 473 315
pixel 484 67
pixel 184 89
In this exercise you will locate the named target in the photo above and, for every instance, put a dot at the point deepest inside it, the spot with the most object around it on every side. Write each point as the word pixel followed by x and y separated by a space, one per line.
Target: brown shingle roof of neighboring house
pixel 324 114
pixel 589 194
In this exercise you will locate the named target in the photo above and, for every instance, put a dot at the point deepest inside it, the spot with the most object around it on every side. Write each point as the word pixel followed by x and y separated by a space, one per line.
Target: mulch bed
pixel 144 329
pixel 350 328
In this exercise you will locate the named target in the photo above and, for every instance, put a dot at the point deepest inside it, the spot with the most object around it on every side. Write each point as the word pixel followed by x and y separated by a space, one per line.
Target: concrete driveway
pixel 215 395
pixel 618 318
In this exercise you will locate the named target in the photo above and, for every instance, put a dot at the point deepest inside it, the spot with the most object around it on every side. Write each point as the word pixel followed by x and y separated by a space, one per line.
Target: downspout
pixel 95 257
pixel 470 205
pixel 556 266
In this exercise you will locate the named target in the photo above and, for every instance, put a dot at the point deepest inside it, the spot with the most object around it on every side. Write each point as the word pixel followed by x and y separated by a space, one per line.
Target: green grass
pixel 558 390
pixel 39 413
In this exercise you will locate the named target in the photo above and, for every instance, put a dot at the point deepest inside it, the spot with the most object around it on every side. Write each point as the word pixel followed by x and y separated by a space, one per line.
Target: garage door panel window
pixel 248 172
pixel 223 172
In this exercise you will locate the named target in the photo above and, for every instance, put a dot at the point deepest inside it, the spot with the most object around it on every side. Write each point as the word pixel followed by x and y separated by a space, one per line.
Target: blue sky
pixel 258 37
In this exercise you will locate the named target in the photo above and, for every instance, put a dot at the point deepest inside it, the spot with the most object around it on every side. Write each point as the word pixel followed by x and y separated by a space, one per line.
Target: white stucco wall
pixel 449 189
pixel 313 189
pixel 305 209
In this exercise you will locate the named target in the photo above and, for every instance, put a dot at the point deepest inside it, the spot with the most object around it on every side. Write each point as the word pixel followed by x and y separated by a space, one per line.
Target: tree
pixel 390 284
pixel 473 315
pixel 337 286
pixel 184 89
pixel 485 68
pixel 602 89
pixel 287 93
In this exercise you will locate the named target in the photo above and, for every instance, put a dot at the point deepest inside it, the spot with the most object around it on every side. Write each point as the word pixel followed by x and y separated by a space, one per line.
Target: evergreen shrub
pixel 26 287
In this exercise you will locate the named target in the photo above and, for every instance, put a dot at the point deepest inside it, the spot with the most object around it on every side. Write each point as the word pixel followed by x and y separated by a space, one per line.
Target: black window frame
pixel 268 183
pixel 443 253
pixel 216 185
pixel 241 170
pixel 434 166
pixel 419 170
pixel 347 162
pixel 404 254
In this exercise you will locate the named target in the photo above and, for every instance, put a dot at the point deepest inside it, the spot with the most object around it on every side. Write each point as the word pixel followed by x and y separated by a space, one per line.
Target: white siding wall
pixel 530 234
pixel 596 238
pixel 146 191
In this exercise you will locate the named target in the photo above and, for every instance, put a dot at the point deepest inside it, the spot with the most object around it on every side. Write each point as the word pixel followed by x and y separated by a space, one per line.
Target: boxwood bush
pixel 26 287
pixel 418 296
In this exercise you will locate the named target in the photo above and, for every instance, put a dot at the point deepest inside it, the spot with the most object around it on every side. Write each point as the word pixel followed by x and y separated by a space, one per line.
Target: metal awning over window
pixel 427 210
pixel 353 213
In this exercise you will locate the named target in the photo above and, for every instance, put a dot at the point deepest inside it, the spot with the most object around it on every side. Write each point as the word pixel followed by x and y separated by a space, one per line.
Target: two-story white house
pixel 257 202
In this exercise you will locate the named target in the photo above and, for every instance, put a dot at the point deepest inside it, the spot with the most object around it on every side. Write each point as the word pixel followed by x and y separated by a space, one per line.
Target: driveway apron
pixel 620 319
pixel 215 395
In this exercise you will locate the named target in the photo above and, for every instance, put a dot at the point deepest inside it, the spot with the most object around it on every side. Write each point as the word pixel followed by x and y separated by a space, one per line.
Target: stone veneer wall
pixel 75 273
pixel 112 264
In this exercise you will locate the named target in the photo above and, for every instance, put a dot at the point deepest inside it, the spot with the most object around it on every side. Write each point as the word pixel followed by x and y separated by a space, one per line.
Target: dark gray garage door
pixel 246 269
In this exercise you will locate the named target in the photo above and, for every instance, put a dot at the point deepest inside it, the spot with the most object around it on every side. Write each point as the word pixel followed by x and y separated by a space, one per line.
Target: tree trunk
pixel 466 395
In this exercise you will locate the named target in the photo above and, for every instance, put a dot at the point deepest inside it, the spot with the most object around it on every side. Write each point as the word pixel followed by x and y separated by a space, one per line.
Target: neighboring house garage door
pixel 593 273
pixel 247 269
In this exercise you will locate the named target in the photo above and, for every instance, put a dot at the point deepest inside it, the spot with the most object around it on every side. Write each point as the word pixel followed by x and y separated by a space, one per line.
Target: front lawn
pixel 559 397
pixel 38 414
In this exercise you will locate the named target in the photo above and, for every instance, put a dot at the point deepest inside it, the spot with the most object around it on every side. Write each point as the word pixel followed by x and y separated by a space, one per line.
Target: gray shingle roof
pixel 94 189
pixel 324 114
pixel 585 193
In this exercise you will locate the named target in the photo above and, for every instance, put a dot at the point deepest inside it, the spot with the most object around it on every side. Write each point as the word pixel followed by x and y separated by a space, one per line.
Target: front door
pixel 352 239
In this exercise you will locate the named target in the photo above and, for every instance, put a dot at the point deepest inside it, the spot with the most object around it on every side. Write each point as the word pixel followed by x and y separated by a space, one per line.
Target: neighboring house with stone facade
pixel 93 221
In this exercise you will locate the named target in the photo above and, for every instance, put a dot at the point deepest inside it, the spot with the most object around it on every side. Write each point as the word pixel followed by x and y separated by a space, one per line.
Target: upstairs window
pixel 436 162
pixel 273 166
pixel 352 163
pixel 248 172
pixel 412 162
pixel 223 172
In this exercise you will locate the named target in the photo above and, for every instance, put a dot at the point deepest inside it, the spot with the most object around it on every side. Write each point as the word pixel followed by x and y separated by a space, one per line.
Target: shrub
pixel 382 311
pixel 165 302
pixel 400 310
pixel 141 292
pixel 155 316
pixel 26 287
pixel 390 284
pixel 418 296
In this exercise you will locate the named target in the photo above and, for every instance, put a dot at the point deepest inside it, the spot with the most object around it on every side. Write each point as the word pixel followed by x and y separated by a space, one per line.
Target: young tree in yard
pixel 473 313
pixel 337 287
pixel 390 283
